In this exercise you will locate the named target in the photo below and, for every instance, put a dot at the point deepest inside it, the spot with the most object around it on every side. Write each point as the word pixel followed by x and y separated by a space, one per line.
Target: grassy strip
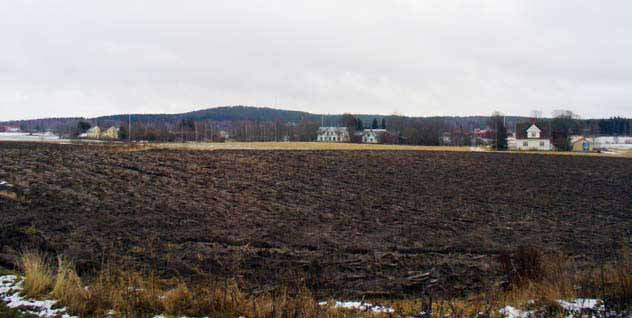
pixel 536 281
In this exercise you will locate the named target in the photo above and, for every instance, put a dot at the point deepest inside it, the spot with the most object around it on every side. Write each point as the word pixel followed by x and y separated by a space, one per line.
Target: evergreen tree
pixel 374 125
pixel 360 124
pixel 123 132
pixel 497 125
pixel 83 126
pixel 383 123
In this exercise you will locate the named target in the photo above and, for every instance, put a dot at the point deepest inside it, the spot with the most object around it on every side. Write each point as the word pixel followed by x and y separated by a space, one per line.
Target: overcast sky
pixel 432 57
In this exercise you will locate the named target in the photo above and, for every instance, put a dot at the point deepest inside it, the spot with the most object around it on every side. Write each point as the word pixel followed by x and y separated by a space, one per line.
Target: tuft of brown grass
pixel 68 289
pixel 38 277
pixel 613 282
pixel 178 301
pixel 9 195
pixel 130 294
pixel 536 276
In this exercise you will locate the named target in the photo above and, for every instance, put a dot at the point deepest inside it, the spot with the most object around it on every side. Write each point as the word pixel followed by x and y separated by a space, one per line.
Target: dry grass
pixel 14 197
pixel 557 277
pixel 8 195
pixel 130 294
pixel 177 301
pixel 68 289
pixel 537 280
pixel 613 282
pixel 38 276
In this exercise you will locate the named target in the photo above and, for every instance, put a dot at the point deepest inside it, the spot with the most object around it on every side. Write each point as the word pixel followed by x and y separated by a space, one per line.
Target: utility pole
pixel 129 129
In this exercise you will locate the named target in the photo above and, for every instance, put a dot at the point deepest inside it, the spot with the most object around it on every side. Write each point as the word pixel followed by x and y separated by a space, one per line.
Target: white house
pixel 373 136
pixel 532 138
pixel 333 134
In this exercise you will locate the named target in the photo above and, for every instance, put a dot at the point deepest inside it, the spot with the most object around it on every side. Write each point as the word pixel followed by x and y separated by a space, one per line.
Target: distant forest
pixel 245 123
pixel 246 113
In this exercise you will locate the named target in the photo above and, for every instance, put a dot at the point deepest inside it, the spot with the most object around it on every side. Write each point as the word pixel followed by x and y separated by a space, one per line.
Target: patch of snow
pixel 12 136
pixel 512 312
pixel 580 303
pixel 6 184
pixel 7 283
pixel 10 289
pixel 573 308
pixel 362 306
pixel 476 149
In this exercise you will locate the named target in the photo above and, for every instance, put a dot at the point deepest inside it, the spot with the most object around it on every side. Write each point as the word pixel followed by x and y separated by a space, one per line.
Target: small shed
pixel 583 144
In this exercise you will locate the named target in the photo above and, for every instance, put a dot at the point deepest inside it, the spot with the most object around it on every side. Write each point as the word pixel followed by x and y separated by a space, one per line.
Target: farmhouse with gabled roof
pixel 531 136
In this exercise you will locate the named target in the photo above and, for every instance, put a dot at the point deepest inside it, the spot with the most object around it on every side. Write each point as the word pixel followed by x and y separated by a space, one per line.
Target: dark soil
pixel 347 222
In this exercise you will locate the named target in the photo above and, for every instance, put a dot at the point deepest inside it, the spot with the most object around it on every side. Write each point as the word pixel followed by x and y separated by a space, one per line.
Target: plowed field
pixel 349 222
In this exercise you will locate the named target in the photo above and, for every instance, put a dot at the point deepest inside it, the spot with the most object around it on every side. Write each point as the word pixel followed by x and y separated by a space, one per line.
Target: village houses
pixel 97 133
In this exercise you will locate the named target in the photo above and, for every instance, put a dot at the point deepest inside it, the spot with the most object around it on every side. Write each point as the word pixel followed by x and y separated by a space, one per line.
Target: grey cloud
pixel 87 58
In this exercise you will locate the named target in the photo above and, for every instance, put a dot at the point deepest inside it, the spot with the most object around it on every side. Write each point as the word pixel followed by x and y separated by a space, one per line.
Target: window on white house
pixel 526 144
pixel 541 143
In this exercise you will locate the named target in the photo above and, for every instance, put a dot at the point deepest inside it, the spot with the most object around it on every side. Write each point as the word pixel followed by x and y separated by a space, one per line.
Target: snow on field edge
pixel 357 305
pixel 10 288
pixel 573 308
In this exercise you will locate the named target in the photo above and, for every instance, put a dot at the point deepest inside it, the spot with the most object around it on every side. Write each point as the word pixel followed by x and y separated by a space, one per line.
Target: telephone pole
pixel 129 128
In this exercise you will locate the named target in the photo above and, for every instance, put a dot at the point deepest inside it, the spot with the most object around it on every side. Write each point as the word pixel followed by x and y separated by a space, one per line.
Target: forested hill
pixel 240 113
pixel 225 113
pixel 247 113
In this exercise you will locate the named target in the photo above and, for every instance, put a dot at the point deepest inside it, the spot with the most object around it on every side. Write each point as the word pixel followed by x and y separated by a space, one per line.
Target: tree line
pixel 241 123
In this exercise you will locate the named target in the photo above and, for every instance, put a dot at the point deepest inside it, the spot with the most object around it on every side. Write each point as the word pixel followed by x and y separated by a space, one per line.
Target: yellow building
pixel 93 133
pixel 583 144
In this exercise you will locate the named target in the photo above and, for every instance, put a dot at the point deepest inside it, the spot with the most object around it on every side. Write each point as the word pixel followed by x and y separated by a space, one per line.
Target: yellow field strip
pixel 298 146
pixel 350 146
